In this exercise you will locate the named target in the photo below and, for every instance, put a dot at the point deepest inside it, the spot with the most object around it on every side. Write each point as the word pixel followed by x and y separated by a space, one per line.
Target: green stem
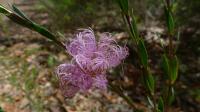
pixel 144 66
pixel 135 38
pixel 171 55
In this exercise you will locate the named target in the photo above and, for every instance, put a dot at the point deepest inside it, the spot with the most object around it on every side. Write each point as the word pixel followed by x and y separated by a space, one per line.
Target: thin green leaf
pixel 174 69
pixel 161 105
pixel 169 20
pixel 165 64
pixel 150 83
pixel 29 24
pixel 20 13
pixel 4 10
pixel 143 53
pixel 123 5
pixel 134 27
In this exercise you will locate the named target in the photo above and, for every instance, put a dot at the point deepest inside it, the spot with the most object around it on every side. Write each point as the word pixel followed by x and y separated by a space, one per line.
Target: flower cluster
pixel 91 59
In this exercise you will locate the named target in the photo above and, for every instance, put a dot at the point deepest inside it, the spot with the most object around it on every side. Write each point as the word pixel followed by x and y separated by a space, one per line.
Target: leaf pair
pixel 170 67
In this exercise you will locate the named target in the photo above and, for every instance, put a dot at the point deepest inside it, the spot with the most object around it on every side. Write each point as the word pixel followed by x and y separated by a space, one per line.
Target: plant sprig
pixel 170 61
pixel 148 78
pixel 19 17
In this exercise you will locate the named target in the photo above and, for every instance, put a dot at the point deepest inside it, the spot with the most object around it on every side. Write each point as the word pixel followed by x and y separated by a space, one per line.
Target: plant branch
pixel 20 19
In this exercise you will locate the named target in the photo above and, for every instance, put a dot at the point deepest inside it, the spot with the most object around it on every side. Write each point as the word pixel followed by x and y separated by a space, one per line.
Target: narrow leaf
pixel 4 10
pixel 169 20
pixel 123 5
pixel 174 69
pixel 161 105
pixel 165 64
pixel 150 83
pixel 143 53
pixel 134 27
pixel 20 13
pixel 29 24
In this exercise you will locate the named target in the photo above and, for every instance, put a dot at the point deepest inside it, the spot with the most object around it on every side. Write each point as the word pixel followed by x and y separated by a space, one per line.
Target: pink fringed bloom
pixel 91 60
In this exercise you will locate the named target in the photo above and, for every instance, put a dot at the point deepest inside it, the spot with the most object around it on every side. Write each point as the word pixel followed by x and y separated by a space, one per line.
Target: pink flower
pixel 91 60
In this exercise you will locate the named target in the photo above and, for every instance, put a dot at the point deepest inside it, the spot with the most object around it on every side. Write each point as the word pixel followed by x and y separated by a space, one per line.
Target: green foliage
pixel 165 64
pixel 123 5
pixel 21 19
pixel 20 13
pixel 170 67
pixel 160 105
pixel 170 61
pixel 174 69
pixel 143 53
pixel 68 12
pixel 134 28
pixel 4 10
pixel 169 19
pixel 150 83
pixel 149 80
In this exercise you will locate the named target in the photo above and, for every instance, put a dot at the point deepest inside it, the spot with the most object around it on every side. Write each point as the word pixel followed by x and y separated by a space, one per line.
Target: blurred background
pixel 27 60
